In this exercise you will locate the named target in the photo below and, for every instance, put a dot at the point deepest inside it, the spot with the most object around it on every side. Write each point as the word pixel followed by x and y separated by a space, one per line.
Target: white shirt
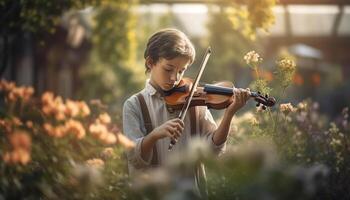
pixel 134 129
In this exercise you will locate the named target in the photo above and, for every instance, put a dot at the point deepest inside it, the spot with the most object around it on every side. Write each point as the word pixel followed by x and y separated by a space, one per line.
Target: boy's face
pixel 167 73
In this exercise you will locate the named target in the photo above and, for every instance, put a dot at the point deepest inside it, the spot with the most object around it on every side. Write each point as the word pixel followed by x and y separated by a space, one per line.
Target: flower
pixel 104 118
pixel 6 86
pixel 72 109
pixel 125 141
pixel 96 163
pixel 302 106
pixel 29 124
pixel 20 155
pixel 58 131
pixel 20 139
pixel 287 108
pixel 252 58
pixel 286 65
pixel 75 127
pixel 110 139
pixel 47 98
pixel 96 129
pixel 107 153
pixel 84 108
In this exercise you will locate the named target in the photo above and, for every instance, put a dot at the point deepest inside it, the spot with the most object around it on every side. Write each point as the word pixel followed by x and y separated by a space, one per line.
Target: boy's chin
pixel 167 87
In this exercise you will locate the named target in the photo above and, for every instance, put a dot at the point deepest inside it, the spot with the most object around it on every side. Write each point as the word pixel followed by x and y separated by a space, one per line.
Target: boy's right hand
pixel 172 129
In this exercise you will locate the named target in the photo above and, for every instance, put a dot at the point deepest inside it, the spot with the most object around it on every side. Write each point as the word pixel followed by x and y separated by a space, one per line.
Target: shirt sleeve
pixel 207 127
pixel 134 129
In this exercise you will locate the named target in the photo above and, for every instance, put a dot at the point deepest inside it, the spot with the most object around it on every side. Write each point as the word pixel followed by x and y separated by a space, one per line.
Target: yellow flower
pixel 96 163
pixel 287 108
pixel 286 65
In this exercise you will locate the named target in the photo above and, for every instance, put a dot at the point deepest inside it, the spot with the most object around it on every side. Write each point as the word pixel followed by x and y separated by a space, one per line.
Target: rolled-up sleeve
pixel 134 130
pixel 207 127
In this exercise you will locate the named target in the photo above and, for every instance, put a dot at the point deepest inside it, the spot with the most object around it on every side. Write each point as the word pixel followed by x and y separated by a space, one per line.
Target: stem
pixel 274 121
pixel 257 72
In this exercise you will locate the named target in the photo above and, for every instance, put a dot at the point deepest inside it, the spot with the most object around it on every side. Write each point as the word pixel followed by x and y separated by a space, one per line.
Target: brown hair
pixel 168 43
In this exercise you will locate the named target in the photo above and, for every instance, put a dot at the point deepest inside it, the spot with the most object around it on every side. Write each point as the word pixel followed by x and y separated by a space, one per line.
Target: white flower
pixel 252 58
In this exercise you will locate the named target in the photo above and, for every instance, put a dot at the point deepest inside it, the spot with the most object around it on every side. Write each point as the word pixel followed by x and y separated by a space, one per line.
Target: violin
pixel 217 96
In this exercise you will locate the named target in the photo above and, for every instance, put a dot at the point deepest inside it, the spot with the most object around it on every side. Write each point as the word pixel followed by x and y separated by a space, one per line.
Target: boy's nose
pixel 174 77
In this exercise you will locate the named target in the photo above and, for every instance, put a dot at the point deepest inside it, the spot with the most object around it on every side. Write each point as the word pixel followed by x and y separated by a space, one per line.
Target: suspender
pixel 149 128
pixel 201 177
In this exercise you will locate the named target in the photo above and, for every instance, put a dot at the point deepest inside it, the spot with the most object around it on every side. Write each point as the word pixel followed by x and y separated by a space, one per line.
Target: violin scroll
pixel 263 100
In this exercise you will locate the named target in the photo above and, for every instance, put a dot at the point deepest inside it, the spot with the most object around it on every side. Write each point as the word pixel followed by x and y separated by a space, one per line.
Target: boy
pixel 167 56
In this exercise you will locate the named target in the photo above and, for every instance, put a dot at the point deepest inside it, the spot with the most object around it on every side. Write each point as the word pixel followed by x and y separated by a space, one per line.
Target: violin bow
pixel 194 86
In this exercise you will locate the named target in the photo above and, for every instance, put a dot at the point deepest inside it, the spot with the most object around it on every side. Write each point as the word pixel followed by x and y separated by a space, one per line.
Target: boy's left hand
pixel 240 98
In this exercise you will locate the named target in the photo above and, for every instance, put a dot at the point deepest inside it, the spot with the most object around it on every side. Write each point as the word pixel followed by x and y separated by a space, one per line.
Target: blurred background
pixel 92 49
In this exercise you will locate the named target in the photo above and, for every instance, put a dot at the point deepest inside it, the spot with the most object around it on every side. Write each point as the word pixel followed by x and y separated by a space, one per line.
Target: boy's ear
pixel 149 62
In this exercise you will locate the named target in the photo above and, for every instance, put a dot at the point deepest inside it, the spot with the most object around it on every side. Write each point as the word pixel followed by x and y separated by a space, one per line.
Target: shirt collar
pixel 152 90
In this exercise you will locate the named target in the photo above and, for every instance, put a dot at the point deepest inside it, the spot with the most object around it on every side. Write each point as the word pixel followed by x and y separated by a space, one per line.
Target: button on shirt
pixel 134 129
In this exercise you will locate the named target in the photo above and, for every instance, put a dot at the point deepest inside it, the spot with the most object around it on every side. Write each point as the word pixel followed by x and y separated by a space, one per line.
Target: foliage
pixel 35 16
pixel 250 16
pixel 113 57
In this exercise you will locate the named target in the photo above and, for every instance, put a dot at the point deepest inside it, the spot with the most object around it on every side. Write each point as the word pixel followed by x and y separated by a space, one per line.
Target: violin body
pixel 217 96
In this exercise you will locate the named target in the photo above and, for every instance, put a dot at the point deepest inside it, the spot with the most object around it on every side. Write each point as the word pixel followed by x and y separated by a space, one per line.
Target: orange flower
pixel 298 79
pixel 27 93
pixel 21 156
pixel 29 124
pixel 84 108
pixel 16 121
pixel 47 98
pixel 76 128
pixel 125 142
pixel 20 139
pixel 58 131
pixel 104 118
pixel 96 163
pixel 72 109
pixel 97 129
pixel 316 79
pixel 110 139
pixel 48 129
pixel 6 86
pixel 7 157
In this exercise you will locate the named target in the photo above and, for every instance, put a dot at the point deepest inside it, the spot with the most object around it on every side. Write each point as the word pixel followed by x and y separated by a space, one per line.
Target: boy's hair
pixel 168 43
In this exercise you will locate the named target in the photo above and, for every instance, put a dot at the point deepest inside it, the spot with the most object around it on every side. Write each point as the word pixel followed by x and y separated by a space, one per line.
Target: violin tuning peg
pixel 258 104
